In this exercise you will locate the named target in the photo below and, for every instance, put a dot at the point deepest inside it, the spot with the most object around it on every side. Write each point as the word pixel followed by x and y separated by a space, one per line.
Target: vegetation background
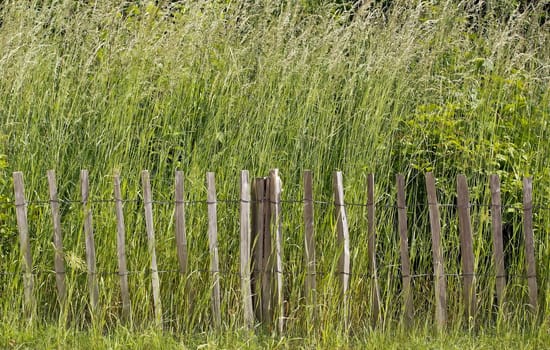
pixel 387 86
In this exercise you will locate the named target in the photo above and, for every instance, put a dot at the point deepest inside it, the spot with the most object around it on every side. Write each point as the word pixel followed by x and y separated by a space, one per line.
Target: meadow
pixel 410 87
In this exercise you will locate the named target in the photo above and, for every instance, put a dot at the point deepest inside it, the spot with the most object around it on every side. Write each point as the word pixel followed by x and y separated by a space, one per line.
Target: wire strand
pixel 290 272
pixel 518 206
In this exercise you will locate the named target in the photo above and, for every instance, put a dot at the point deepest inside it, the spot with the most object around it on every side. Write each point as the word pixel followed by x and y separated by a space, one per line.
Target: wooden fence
pixel 261 245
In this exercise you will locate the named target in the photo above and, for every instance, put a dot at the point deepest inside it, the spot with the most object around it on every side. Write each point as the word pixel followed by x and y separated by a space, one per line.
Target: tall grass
pixel 224 86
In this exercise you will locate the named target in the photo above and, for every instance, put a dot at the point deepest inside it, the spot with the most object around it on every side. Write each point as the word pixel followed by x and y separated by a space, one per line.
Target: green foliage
pixel 477 136
pixel 223 86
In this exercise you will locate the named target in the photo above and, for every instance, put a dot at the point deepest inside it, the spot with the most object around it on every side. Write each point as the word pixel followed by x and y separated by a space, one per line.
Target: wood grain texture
pixel 213 247
pixel 246 290
pixel 59 264
pixel 121 250
pixel 309 237
pixel 267 257
pixel 466 247
pixel 179 217
pixel 275 199
pixel 90 244
pixel 342 229
pixel 408 309
pixel 155 281
pixel 257 237
pixel 24 241
pixel 530 242
pixel 371 220
pixel 437 251
pixel 498 245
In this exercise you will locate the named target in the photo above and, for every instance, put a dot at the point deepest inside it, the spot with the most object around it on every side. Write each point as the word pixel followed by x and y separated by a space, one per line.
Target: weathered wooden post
pixel 466 247
pixel 155 280
pixel 59 264
pixel 24 242
pixel 498 245
pixel 213 247
pixel 408 309
pixel 121 251
pixel 245 250
pixel 343 240
pixel 372 250
pixel 530 242
pixel 90 245
pixel 437 250
pixel 275 199
pixel 309 237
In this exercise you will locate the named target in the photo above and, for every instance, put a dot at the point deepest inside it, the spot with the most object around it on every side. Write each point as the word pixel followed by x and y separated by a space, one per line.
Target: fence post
pixel 372 249
pixel 267 255
pixel 439 270
pixel 310 285
pixel 213 247
pixel 21 213
pixel 343 240
pixel 529 242
pixel 121 250
pixel 148 206
pixel 498 246
pixel 275 198
pixel 90 245
pixel 59 265
pixel 245 250
pixel 258 188
pixel 408 310
pixel 179 214
pixel 466 247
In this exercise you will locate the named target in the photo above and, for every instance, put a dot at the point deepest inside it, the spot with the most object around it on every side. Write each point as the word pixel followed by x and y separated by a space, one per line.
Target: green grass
pixel 229 86
pixel 51 337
